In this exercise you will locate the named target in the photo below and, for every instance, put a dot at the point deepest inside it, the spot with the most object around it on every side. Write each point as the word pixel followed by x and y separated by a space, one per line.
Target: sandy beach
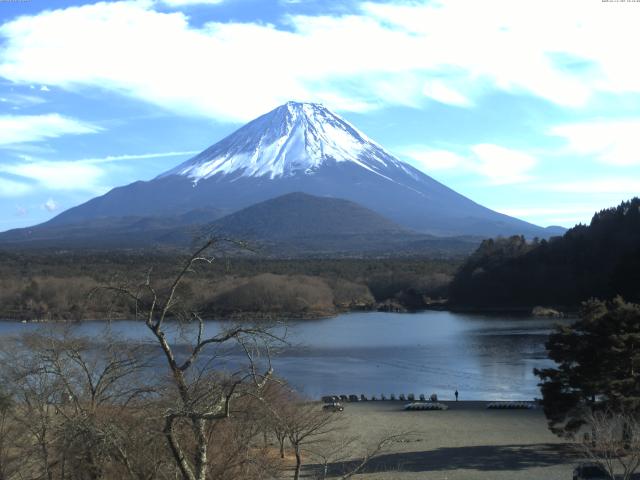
pixel 465 442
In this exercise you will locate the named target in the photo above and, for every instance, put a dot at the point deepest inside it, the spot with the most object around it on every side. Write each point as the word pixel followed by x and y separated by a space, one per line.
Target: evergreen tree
pixel 600 260
pixel 598 365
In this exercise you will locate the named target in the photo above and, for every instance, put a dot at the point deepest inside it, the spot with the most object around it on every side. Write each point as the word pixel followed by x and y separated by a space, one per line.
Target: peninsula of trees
pixel 601 260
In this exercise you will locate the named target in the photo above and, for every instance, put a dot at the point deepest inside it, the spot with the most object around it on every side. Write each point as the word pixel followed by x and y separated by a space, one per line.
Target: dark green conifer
pixel 598 365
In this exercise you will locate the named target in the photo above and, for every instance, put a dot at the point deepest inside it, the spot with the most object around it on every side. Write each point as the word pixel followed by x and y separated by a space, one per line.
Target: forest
pixel 599 260
pixel 56 285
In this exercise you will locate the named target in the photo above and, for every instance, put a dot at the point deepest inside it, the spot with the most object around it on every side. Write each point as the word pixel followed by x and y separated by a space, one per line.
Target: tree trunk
pixel 94 470
pixel 176 451
pixel 296 475
pixel 45 454
pixel 201 450
pixel 626 435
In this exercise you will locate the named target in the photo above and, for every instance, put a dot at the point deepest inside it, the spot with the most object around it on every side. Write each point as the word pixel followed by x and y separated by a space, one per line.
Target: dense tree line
pixel 599 260
pixel 55 285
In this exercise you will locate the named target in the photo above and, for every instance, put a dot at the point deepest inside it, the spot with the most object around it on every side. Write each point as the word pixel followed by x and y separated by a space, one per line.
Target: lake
pixel 483 357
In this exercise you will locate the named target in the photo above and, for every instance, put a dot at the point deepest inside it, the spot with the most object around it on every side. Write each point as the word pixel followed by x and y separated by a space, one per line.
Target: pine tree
pixel 598 367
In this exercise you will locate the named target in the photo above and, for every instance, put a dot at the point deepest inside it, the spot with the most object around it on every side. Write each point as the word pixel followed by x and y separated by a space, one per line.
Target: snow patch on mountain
pixel 295 138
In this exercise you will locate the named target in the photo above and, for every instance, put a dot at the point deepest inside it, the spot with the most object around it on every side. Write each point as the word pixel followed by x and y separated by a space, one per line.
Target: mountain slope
pixel 299 215
pixel 300 147
pixel 298 224
pixel 130 232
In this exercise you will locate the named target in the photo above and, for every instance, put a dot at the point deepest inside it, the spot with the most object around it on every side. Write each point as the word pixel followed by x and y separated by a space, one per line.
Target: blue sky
pixel 529 108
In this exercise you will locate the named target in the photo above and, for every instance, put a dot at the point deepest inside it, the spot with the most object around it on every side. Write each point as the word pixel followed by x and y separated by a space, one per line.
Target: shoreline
pixel 451 404
pixel 566 313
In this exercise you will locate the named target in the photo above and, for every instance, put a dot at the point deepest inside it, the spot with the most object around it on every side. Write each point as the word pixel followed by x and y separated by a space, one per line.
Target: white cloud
pixel 503 165
pixel 217 71
pixel 137 156
pixel 574 201
pixel 50 205
pixel 623 187
pixel 184 3
pixel 431 159
pixel 12 188
pixel 498 164
pixel 21 211
pixel 547 211
pixel 450 51
pixel 20 100
pixel 613 142
pixel 85 174
pixel 44 88
pixel 440 92
pixel 62 175
pixel 566 215
pixel 32 128
pixel 560 51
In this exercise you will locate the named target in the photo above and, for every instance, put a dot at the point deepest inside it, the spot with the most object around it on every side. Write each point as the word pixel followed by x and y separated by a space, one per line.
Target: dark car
pixel 590 471
pixel 333 407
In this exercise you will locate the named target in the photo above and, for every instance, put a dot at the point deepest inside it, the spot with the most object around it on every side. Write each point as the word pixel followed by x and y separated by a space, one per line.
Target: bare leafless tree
pixel 70 395
pixel 11 436
pixel 201 398
pixel 239 450
pixel 307 425
pixel 343 449
pixel 279 404
pixel 36 393
pixel 612 439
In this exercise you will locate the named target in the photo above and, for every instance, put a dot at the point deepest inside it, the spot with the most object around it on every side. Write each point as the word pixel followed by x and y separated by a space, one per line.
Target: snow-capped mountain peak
pixel 303 148
pixel 295 138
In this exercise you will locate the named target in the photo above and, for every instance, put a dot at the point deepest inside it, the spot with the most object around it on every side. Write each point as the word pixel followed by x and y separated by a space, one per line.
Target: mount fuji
pixel 297 147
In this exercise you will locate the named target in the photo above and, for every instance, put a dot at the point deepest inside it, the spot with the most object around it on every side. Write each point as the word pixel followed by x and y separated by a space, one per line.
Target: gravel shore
pixel 465 442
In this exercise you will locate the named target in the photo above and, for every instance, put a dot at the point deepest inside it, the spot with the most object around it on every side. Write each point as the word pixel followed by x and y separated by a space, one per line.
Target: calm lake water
pixel 484 357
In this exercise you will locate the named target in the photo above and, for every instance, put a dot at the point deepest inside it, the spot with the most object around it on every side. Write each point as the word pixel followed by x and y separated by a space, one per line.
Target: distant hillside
pixel 110 232
pixel 293 225
pixel 298 224
pixel 297 215
pixel 600 260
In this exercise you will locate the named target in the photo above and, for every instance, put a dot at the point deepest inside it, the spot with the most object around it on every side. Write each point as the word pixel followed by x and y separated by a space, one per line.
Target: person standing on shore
pixel 456 394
